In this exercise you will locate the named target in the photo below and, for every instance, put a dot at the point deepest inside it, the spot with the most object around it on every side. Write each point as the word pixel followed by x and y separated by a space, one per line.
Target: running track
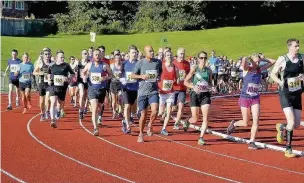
pixel 34 152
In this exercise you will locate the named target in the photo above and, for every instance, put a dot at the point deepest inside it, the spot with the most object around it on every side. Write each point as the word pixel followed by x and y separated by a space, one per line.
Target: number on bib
pixel 45 77
pixel 252 89
pixel 59 80
pixel 152 75
pixel 95 78
pixel 14 67
pixel 26 76
pixel 202 87
pixel 182 75
pixel 129 79
pixel 116 74
pixel 294 84
pixel 233 73
pixel 167 85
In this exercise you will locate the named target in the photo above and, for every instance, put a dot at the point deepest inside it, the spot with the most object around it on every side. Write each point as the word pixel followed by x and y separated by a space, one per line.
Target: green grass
pixel 231 41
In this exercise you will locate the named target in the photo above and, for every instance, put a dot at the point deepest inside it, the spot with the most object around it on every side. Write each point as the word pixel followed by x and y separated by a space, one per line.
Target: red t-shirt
pixel 183 69
pixel 167 80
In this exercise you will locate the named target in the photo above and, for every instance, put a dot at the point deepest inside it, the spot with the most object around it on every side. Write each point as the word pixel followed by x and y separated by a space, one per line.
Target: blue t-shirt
pixel 26 71
pixel 214 62
pixel 261 64
pixel 127 70
pixel 14 67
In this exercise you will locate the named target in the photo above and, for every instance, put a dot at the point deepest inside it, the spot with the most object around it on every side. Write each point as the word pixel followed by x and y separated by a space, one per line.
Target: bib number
pixel 129 79
pixel 14 68
pixel 167 85
pixel 152 75
pixel 117 74
pixel 59 80
pixel 252 89
pixel 294 84
pixel 233 73
pixel 202 87
pixel 182 75
pixel 95 78
pixel 45 77
pixel 26 76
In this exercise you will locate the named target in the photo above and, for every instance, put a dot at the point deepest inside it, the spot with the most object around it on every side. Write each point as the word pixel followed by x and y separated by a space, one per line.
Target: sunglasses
pixel 84 53
pixel 202 58
pixel 46 54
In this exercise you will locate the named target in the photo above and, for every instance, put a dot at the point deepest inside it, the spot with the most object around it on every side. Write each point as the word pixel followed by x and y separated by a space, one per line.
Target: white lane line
pixel 68 157
pixel 12 176
pixel 231 157
pixel 160 160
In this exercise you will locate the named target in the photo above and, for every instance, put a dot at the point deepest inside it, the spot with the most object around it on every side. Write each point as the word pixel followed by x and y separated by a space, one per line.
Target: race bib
pixel 182 75
pixel 212 67
pixel 202 87
pixel 45 77
pixel 95 78
pixel 129 79
pixel 14 67
pixel 167 85
pixel 252 89
pixel 116 74
pixel 233 74
pixel 294 84
pixel 221 71
pixel 59 80
pixel 152 75
pixel 26 76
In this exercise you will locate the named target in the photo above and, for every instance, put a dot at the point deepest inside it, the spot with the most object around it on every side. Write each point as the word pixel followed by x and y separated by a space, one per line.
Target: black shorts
pixel 235 79
pixel 129 96
pixel 293 100
pixel 99 94
pixel 115 87
pixel 43 88
pixel 15 82
pixel 264 75
pixel 179 96
pixel 197 100
pixel 59 91
pixel 23 86
pixel 85 85
pixel 215 78
pixel 73 84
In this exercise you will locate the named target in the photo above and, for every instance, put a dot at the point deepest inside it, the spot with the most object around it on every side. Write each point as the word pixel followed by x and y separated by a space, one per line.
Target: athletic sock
pixel 289 135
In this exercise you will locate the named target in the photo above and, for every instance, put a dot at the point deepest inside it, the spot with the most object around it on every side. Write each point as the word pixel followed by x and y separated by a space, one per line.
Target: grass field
pixel 231 41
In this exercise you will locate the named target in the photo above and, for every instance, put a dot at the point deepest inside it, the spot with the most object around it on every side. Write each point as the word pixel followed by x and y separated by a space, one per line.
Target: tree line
pixel 111 17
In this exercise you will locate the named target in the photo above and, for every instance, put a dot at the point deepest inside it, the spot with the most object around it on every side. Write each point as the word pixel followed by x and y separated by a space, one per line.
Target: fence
pixel 28 27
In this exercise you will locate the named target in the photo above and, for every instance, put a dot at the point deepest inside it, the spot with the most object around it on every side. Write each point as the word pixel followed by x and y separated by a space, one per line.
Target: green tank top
pixel 200 75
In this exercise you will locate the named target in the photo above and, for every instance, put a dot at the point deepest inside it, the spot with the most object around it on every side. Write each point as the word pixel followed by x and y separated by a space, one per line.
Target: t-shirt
pixel 26 71
pixel 59 72
pixel 154 69
pixel 14 67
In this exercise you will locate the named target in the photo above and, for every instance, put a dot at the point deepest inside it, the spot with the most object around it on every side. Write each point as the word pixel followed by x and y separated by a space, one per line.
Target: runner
pixel 235 77
pixel 214 63
pixel 130 87
pixel 73 84
pixel 168 77
pixel 25 82
pixel 98 72
pixel 82 84
pixel 290 91
pixel 200 96
pixel 147 71
pixel 250 98
pixel 115 85
pixel 41 70
pixel 13 66
pixel 180 89
pixel 58 81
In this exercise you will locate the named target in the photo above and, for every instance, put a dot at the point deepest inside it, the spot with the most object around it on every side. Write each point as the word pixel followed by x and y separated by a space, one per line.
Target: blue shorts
pixel 146 100
pixel 180 96
pixel 23 86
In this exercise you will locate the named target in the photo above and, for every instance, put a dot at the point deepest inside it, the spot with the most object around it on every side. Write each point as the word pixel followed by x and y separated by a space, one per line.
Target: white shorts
pixel 166 98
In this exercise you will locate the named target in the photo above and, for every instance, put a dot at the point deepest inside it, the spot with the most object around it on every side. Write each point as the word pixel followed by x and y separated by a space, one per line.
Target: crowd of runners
pixel 133 82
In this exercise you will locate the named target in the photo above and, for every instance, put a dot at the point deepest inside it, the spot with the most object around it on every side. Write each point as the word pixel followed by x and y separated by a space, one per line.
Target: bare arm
pixel 269 64
pixel 279 64
pixel 37 70
pixel 244 64
pixel 188 77
pixel 109 71
pixel 177 74
pixel 86 69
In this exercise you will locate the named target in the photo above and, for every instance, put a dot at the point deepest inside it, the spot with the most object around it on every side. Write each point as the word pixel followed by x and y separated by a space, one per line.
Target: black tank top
pixel 44 69
pixel 291 71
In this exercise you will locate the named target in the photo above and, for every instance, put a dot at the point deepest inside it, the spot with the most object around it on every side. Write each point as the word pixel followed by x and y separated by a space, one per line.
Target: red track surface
pixel 71 154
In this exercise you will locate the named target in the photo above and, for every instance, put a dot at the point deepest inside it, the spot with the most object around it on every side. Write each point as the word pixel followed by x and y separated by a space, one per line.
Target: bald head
pixel 149 52
pixel 181 54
